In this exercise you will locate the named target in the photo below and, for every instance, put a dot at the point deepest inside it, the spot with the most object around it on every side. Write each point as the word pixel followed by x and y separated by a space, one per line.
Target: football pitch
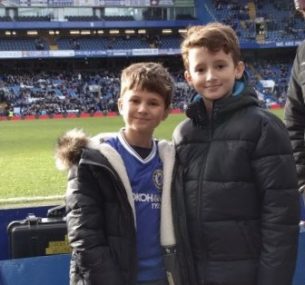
pixel 27 165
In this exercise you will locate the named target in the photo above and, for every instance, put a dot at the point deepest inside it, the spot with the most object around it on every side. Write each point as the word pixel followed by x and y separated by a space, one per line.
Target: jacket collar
pixel 241 97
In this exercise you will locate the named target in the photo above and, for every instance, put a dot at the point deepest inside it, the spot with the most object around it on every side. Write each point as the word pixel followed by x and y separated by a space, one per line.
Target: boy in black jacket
pixel 117 225
pixel 236 200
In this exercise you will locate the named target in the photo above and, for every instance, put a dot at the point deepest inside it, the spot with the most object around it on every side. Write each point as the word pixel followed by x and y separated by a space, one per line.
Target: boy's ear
pixel 240 68
pixel 166 113
pixel 120 105
pixel 188 77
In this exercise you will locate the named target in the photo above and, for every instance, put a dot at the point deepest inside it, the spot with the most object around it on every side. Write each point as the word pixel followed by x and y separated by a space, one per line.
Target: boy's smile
pixel 212 74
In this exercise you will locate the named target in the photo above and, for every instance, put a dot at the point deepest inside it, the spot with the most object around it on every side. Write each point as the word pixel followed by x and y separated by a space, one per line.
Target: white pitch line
pixel 30 199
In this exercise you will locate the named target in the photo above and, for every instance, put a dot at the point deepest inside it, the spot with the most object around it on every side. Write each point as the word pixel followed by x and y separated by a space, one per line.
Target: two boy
pixel 235 203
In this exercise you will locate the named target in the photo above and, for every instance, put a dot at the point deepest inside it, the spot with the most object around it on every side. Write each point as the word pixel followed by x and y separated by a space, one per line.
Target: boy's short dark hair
pixel 214 37
pixel 149 76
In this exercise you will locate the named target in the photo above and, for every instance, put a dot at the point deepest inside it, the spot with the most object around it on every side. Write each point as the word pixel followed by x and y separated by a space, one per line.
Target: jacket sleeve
pixel 295 112
pixel 92 261
pixel 276 180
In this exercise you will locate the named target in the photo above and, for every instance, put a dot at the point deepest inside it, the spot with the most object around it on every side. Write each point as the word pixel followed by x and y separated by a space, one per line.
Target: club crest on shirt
pixel 158 178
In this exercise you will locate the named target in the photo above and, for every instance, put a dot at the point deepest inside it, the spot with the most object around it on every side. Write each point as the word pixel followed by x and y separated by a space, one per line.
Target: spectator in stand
pixel 235 200
pixel 295 110
pixel 39 44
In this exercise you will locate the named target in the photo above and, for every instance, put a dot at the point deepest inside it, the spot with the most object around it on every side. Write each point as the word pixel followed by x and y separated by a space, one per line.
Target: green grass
pixel 27 167
pixel 279 113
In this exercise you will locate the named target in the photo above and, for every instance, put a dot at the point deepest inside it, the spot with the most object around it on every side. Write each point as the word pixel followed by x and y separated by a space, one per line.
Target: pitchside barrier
pixel 42 270
pixel 54 268
pixel 72 114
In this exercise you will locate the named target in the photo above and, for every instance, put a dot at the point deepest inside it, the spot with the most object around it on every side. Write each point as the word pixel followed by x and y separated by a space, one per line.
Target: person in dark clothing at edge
pixel 295 111
pixel 119 231
pixel 235 198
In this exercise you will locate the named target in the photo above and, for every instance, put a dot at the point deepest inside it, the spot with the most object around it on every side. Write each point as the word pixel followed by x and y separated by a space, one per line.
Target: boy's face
pixel 212 74
pixel 142 111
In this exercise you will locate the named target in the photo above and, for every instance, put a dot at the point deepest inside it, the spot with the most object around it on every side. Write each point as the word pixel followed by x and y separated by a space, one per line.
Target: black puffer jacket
pixel 236 203
pixel 100 210
pixel 295 112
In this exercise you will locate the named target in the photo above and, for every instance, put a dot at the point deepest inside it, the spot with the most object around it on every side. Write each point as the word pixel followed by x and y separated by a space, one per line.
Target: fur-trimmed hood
pixel 69 147
pixel 68 156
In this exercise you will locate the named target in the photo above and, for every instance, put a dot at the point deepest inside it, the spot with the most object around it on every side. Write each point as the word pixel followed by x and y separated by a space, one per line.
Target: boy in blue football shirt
pixel 116 221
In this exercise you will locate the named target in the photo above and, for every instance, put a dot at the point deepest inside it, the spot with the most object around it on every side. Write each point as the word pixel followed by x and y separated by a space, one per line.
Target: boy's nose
pixel 209 75
pixel 142 108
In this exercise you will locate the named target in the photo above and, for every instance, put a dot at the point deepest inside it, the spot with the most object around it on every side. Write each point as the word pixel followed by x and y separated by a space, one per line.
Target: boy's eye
pixel 154 103
pixel 200 69
pixel 133 100
pixel 220 66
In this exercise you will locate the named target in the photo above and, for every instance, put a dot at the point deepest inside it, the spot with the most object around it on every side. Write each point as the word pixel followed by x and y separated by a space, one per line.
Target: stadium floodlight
pixel 129 32
pixel 100 32
pixel 142 31
pixel 167 31
pixel 8 33
pixel 32 33
pixel 74 32
pixel 85 32
pixel 114 32
pixel 51 32
pixel 182 31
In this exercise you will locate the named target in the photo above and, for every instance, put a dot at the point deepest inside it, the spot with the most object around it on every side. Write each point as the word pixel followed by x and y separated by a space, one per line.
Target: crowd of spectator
pixel 63 92
pixel 68 92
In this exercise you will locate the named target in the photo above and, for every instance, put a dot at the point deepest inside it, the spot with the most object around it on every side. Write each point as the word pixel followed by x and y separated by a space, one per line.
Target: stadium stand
pixel 258 24
pixel 61 92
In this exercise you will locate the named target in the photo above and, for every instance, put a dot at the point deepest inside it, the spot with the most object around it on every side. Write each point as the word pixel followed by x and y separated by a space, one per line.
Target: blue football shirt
pixel 146 179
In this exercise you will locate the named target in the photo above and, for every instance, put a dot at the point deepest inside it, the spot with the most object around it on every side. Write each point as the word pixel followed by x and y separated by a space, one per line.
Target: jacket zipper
pixel 203 250
pixel 182 233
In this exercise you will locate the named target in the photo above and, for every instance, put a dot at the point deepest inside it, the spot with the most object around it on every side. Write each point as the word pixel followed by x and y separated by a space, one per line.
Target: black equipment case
pixel 35 236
